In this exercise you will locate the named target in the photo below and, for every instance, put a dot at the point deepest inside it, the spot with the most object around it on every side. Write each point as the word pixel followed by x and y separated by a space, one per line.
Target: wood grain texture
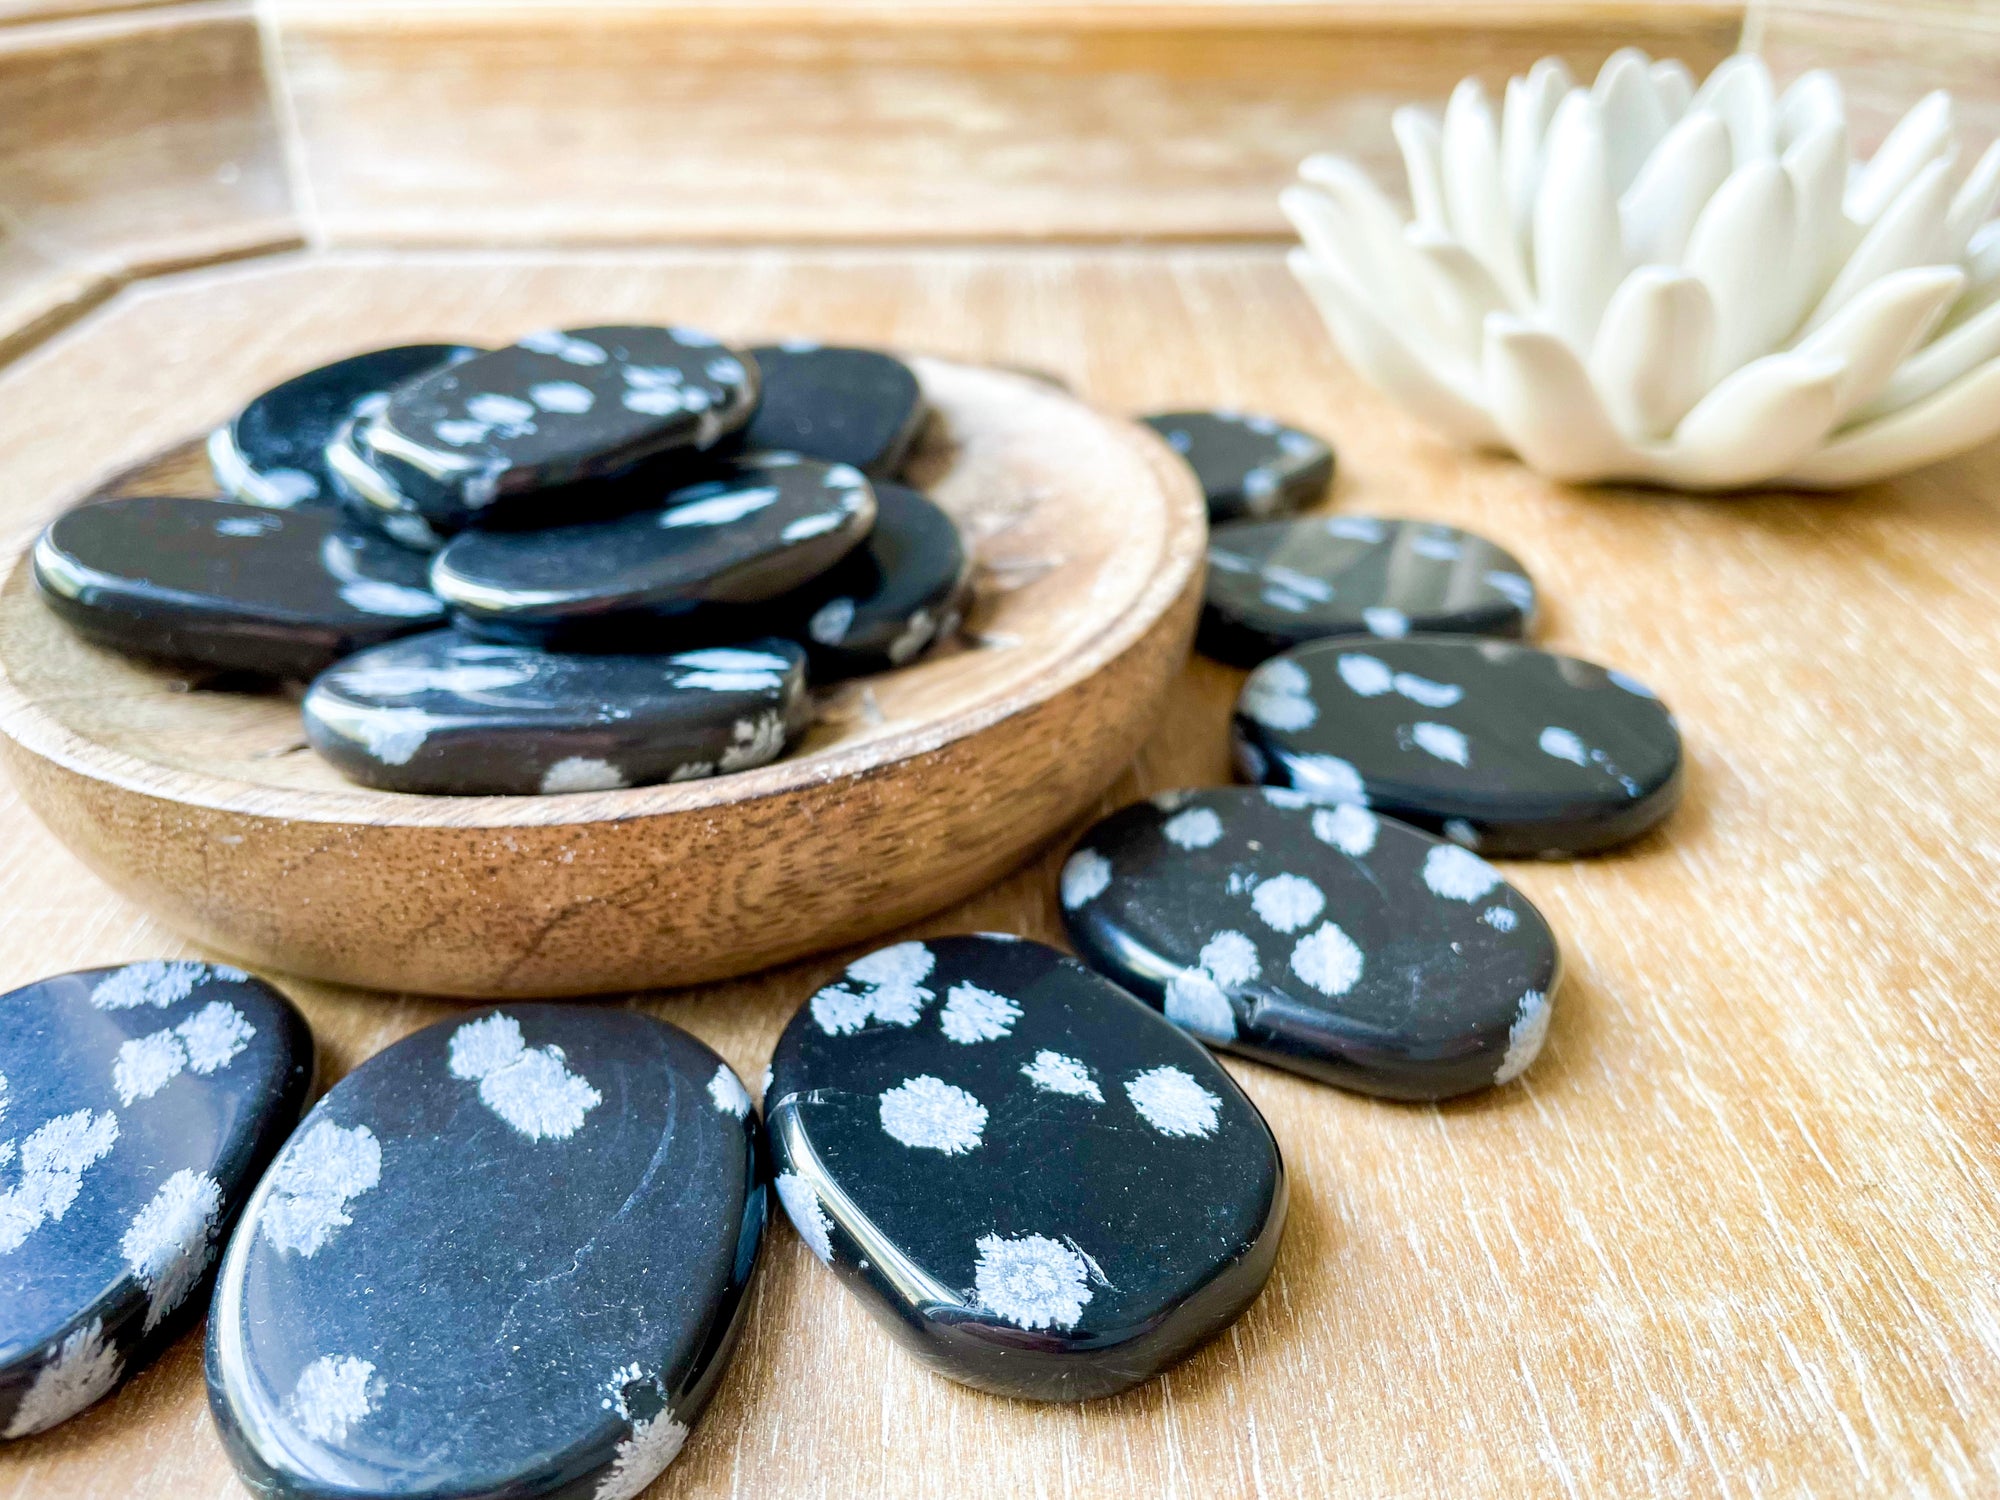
pixel 130 143
pixel 912 789
pixel 1888 54
pixel 604 122
pixel 1734 1234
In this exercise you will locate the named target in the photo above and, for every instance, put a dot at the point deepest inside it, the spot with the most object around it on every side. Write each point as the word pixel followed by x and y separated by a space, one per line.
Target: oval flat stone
pixel 759 527
pixel 403 503
pixel 504 1257
pixel 138 1106
pixel 443 713
pixel 1500 747
pixel 1323 939
pixel 235 587
pixel 839 405
pixel 1033 1181
pixel 888 600
pixel 273 452
pixel 565 405
pixel 1274 584
pixel 1248 465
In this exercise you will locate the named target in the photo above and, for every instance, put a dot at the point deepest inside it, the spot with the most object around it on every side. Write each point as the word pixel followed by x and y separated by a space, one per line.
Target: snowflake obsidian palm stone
pixel 565 405
pixel 233 587
pixel 1500 747
pixel 504 1257
pixel 443 713
pixel 839 405
pixel 1324 939
pixel 273 452
pixel 889 599
pixel 1032 1180
pixel 1247 465
pixel 756 529
pixel 138 1105
pixel 1273 584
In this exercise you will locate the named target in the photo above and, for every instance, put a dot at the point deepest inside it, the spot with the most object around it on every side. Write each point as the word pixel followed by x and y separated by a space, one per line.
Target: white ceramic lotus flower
pixel 1647 281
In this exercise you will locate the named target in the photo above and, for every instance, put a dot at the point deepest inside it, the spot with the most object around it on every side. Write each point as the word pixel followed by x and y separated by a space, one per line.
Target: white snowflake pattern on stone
pixel 802 1207
pixel 1056 1073
pixel 1196 1003
pixel 53 1160
pixel 642 1457
pixel 1348 828
pixel 1196 828
pixel 158 982
pixel 1328 778
pixel 333 1393
pixel 885 986
pixel 1441 741
pixel 1564 744
pixel 1085 876
pixel 727 1090
pixel 1278 695
pixel 1499 918
pixel 1287 902
pixel 972 1014
pixel 528 1087
pixel 1328 960
pixel 1173 1103
pixel 171 1240
pixel 1525 1037
pixel 582 773
pixel 1458 874
pixel 209 1039
pixel 83 1369
pixel 1031 1280
pixel 927 1113
pixel 312 1184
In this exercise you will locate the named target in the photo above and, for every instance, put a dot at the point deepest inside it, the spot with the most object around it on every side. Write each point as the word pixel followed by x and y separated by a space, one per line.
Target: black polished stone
pixel 1247 465
pixel 239 588
pixel 504 1257
pixel 1274 584
pixel 273 452
pixel 403 503
pixel 902 590
pixel 839 405
pixel 1499 747
pixel 1033 1181
pixel 1327 940
pixel 443 713
pixel 757 528
pixel 138 1106
pixel 562 406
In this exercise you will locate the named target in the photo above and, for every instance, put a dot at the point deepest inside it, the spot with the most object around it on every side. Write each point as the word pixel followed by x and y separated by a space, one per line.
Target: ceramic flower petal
pixel 1692 286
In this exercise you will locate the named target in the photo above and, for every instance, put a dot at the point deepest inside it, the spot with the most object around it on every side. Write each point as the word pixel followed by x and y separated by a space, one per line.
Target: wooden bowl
pixel 913 790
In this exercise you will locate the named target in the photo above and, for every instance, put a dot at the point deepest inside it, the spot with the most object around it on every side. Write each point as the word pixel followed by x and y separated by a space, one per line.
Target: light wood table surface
pixel 1734 1234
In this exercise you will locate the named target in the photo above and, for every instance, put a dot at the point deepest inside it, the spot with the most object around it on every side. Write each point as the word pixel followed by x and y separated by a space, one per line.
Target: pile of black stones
pixel 596 558
pixel 1030 1169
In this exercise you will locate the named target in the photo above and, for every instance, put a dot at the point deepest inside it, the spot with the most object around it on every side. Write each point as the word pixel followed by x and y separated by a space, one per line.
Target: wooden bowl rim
pixel 39 732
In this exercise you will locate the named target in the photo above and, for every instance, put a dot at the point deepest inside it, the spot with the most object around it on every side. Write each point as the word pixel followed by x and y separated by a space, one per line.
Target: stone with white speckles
pixel 445 714
pixel 138 1106
pixel 1274 584
pixel 508 430
pixel 1248 465
pixel 229 587
pixel 1328 940
pixel 1030 1178
pixel 754 529
pixel 540 1223
pixel 273 451
pixel 1501 747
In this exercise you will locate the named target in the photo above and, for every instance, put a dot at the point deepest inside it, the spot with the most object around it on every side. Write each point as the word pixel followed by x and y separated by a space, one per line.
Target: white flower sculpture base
pixel 1646 281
